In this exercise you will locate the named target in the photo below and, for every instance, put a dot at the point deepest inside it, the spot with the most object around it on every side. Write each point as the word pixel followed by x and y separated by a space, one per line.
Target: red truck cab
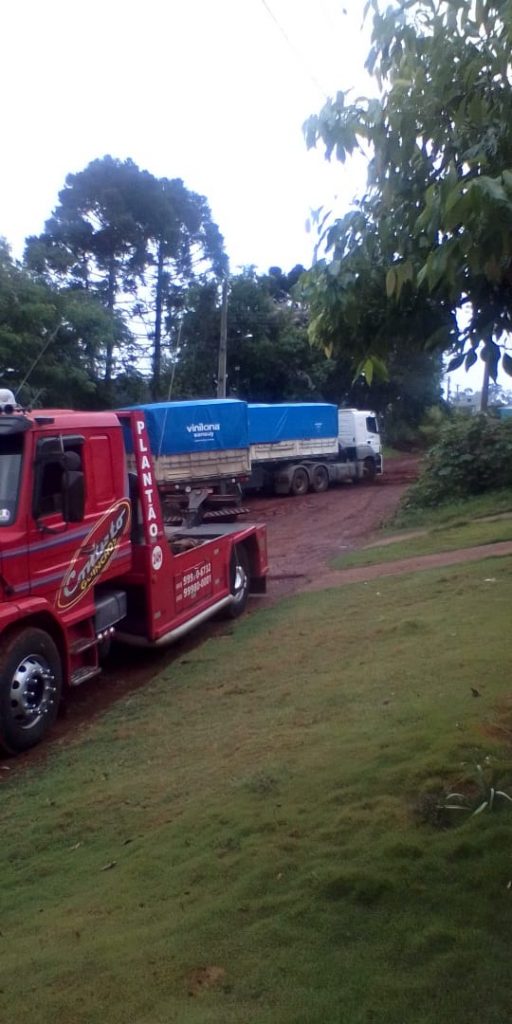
pixel 85 555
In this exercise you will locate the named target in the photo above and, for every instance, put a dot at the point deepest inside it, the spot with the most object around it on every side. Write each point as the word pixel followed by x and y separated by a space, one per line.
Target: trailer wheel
pixel 239 572
pixel 320 479
pixel 300 482
pixel 30 689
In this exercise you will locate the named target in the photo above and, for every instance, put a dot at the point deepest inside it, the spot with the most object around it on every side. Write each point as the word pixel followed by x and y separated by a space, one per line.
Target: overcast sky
pixel 212 91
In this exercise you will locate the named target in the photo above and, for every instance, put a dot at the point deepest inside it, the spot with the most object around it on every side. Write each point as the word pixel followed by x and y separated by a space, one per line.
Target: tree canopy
pixel 119 300
pixel 133 240
pixel 50 338
pixel 439 192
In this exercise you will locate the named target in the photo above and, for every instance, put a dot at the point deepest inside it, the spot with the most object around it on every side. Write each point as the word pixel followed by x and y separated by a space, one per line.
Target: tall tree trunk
pixel 157 340
pixel 484 397
pixel 111 298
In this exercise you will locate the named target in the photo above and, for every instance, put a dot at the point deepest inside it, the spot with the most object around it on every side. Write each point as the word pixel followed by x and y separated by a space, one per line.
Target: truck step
pixel 228 510
pixel 82 645
pixel 82 674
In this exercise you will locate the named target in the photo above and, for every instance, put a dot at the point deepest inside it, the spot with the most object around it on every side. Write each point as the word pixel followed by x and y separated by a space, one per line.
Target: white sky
pixel 207 90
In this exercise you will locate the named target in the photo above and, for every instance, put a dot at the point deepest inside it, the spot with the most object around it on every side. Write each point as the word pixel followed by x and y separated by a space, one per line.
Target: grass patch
pixel 251 838
pixel 489 503
pixel 436 540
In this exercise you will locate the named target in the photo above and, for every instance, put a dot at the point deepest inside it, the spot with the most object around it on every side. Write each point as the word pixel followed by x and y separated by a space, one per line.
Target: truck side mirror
pixel 73 495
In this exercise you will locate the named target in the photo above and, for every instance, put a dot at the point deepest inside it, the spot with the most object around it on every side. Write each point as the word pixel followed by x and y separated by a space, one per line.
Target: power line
pixel 295 50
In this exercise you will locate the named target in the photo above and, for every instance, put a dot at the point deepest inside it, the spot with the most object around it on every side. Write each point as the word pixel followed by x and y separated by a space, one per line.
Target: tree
pixel 440 175
pixel 93 240
pixel 268 352
pixel 133 240
pixel 181 242
pixel 49 339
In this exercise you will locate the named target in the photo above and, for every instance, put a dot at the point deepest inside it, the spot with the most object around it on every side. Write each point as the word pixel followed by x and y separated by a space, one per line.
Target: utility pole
pixel 484 397
pixel 223 343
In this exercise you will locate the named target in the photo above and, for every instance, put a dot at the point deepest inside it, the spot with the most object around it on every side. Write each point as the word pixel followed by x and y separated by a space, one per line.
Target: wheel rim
pixel 300 482
pixel 240 582
pixel 321 480
pixel 32 691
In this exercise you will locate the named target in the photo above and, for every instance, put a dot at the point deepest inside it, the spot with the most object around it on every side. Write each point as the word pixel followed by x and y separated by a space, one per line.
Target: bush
pixel 472 455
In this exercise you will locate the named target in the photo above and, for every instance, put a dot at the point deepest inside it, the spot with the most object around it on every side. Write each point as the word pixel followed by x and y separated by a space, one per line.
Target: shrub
pixel 472 455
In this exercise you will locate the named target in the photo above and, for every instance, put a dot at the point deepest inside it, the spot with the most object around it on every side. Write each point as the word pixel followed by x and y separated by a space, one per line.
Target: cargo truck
pixel 296 447
pixel 85 556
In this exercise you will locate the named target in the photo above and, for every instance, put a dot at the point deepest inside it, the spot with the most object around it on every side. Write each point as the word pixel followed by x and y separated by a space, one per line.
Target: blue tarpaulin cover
pixel 295 421
pixel 204 425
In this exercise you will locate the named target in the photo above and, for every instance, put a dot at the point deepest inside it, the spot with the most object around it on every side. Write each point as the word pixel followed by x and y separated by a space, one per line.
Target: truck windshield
pixel 11 448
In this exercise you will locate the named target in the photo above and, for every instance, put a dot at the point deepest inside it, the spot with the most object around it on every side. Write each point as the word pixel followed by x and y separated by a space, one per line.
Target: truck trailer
pixel 296 447
pixel 85 557
pixel 200 454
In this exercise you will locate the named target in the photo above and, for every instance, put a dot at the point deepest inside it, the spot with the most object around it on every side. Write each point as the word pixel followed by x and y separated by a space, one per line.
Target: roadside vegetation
pixel 472 455
pixel 260 836
pixel 453 512
pixel 450 537
pixel 463 497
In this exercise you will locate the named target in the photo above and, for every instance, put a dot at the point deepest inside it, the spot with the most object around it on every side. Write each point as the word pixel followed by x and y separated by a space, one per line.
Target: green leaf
pixel 455 363
pixel 491 355
pixel 380 369
pixel 507 178
pixel 390 282
pixel 368 370
pixel 506 363
pixel 471 359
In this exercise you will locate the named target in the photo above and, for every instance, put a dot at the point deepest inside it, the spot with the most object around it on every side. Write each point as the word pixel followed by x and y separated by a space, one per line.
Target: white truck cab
pixel 359 436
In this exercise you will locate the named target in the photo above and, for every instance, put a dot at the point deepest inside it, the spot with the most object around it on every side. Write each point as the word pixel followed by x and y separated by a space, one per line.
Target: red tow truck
pixel 85 556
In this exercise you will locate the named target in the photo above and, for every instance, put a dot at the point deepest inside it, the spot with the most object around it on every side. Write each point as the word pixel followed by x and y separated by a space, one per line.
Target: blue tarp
pixel 203 425
pixel 298 421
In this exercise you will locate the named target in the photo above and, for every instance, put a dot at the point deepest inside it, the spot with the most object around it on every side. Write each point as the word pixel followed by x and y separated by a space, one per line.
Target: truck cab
pixel 359 438
pixel 85 556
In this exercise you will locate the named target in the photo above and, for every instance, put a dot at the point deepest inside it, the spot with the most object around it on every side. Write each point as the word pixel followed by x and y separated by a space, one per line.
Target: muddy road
pixel 303 535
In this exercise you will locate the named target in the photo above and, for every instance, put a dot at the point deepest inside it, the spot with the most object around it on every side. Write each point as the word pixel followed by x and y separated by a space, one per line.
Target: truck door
pixel 371 433
pixel 53 542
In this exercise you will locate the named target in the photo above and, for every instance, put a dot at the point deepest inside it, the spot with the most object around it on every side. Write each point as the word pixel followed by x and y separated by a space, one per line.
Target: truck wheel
pixel 30 689
pixel 320 479
pixel 300 482
pixel 239 573
pixel 369 471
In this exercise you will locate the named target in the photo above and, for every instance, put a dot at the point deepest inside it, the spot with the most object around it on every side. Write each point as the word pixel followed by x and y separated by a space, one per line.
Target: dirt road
pixel 305 533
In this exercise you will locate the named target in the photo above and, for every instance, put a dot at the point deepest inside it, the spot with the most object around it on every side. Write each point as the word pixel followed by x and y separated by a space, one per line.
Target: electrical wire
pixel 296 52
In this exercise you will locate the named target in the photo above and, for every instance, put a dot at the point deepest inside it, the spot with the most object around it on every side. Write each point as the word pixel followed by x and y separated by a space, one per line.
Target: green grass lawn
pixel 439 538
pixel 452 512
pixel 255 836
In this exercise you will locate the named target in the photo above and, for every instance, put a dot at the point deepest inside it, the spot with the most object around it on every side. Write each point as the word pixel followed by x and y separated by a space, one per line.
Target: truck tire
pixel 240 576
pixel 30 689
pixel 300 482
pixel 320 479
pixel 369 470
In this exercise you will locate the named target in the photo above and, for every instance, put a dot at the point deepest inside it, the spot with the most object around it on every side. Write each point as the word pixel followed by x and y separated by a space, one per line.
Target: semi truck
pixel 85 556
pixel 296 447
pixel 207 452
